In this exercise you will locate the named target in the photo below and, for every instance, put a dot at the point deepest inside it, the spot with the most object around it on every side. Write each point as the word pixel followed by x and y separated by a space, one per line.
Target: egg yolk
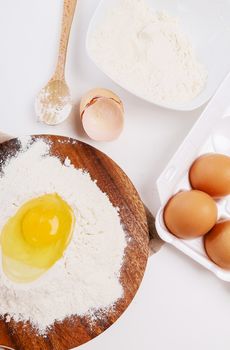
pixel 36 237
pixel 41 227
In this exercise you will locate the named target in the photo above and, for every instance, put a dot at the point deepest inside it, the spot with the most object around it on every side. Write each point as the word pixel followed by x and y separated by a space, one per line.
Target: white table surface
pixel 179 305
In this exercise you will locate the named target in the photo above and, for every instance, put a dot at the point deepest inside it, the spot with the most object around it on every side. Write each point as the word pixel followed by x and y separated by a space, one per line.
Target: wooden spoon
pixel 53 104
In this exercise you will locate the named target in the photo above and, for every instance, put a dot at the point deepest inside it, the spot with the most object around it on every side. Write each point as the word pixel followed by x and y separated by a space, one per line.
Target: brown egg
pixel 217 244
pixel 190 214
pixel 211 173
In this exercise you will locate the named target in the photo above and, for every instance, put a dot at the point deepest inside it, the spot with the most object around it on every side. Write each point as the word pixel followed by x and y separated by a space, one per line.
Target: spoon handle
pixel 67 19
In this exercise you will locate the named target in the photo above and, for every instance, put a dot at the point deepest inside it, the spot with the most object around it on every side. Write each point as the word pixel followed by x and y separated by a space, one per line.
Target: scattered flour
pixel 86 279
pixel 147 53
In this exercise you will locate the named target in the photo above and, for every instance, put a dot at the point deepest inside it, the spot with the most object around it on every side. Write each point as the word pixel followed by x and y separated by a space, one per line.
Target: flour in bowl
pixel 87 278
pixel 148 53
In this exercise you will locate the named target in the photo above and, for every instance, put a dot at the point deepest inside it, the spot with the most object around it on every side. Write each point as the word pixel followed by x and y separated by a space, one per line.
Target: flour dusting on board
pixel 148 53
pixel 87 278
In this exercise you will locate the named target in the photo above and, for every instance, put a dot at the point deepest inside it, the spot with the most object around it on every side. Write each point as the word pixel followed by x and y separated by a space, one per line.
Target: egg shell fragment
pixel 102 115
pixel 96 93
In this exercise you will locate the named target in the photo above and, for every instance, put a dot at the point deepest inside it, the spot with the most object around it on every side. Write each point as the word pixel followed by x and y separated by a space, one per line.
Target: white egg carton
pixel 211 133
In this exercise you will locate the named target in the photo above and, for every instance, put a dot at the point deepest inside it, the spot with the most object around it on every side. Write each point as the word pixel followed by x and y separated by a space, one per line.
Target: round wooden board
pixel 111 180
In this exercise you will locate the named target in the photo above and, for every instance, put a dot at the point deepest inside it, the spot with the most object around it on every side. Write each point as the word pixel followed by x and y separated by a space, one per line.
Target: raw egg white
pixel 36 237
pixel 217 244
pixel 190 214
pixel 211 173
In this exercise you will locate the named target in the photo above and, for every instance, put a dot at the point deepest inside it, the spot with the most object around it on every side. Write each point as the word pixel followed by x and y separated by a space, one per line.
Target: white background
pixel 179 305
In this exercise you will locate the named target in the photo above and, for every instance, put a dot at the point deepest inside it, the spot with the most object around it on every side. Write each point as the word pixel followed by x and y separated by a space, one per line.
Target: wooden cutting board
pixel 112 180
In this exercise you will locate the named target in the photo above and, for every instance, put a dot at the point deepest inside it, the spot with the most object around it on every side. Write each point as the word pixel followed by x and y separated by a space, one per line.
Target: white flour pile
pixel 87 277
pixel 147 53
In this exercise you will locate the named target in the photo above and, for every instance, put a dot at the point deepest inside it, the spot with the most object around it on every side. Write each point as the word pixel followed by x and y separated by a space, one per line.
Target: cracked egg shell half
pixel 102 114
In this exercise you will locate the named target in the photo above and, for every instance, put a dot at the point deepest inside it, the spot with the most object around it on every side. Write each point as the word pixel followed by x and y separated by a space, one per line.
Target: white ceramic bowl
pixel 206 23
